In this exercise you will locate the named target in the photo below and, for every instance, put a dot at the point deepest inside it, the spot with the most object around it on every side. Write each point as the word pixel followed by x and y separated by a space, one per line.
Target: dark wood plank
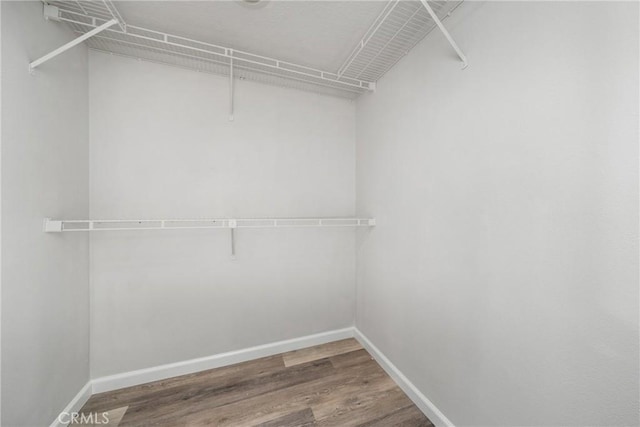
pixel 410 416
pixel 110 418
pixel 297 397
pixel 352 358
pixel 303 418
pixel 320 351
pixel 157 390
pixel 360 408
pixel 189 402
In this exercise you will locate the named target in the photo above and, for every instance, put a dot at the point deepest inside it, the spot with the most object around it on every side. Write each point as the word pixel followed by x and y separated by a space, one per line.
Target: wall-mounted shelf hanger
pixel 89 225
pixel 231 88
pixel 452 42
pixel 104 8
pixel 64 48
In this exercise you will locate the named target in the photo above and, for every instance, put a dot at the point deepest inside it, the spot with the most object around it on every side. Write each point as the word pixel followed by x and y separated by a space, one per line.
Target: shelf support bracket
pixel 72 43
pixel 450 39
pixel 231 87
pixel 233 224
pixel 52 226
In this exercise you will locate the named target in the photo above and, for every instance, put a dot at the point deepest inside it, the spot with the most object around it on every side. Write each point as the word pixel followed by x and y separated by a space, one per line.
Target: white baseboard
pixel 421 401
pixel 75 405
pixel 128 379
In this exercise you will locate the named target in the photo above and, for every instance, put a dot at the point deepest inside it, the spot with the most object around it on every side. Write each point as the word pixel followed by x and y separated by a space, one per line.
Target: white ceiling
pixel 319 34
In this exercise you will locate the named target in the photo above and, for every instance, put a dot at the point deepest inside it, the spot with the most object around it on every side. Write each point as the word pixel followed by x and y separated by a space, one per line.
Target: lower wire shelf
pixel 58 226
pixel 79 225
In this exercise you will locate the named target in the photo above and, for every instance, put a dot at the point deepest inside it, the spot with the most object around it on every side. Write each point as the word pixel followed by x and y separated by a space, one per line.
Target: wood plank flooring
pixel 334 384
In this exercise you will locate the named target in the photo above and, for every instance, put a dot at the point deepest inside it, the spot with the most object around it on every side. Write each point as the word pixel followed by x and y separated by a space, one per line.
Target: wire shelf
pixel 401 25
pixel 58 226
pixel 155 46
pixel 100 9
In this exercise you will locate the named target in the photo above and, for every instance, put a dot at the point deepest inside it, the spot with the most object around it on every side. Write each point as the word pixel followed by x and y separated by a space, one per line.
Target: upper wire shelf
pixel 156 46
pixel 101 9
pixel 401 25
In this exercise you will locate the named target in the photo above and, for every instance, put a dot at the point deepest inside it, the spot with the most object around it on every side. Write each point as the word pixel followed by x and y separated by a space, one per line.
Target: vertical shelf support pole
pixel 452 42
pixel 231 86
pixel 232 226
pixel 72 43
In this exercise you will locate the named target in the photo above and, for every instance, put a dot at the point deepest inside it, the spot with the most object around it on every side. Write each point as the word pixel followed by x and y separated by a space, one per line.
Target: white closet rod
pixel 57 226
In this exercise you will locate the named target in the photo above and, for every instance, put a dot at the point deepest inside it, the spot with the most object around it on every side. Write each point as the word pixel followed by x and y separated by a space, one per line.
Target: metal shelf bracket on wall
pixel 231 86
pixel 72 43
pixel 233 224
pixel 400 26
pixel 442 28
pixel 59 226
pixel 52 12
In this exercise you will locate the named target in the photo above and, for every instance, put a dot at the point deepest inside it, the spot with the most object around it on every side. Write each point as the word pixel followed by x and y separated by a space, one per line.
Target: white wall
pixel 0 214
pixel 45 278
pixel 502 277
pixel 162 147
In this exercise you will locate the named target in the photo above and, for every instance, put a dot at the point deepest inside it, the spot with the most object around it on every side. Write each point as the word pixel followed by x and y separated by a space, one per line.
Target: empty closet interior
pixel 416 212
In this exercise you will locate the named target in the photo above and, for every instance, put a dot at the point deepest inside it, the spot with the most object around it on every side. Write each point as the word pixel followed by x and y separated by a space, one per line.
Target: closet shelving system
pixel 57 226
pixel 396 30
pixel 77 225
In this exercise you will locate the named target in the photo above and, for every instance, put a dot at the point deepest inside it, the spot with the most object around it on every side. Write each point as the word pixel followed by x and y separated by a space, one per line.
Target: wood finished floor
pixel 334 384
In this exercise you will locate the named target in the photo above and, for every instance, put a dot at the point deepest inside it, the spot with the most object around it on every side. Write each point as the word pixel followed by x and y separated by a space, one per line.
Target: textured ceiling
pixel 319 34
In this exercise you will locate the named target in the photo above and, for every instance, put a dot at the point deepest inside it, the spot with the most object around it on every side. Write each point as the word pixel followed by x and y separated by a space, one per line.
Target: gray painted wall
pixel 45 172
pixel 502 277
pixel 162 146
